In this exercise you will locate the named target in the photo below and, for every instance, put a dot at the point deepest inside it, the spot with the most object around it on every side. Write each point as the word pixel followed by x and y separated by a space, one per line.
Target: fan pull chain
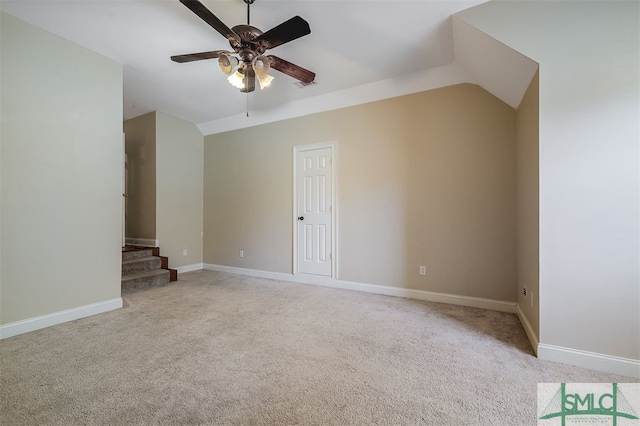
pixel 247 104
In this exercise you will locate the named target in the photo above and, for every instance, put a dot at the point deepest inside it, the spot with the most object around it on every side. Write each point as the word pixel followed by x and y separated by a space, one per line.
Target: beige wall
pixel 527 200
pixel 179 187
pixel 425 179
pixel 140 136
pixel 61 179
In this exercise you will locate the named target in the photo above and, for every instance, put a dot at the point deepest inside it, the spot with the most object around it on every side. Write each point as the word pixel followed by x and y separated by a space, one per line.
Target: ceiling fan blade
pixel 206 15
pixel 292 29
pixel 292 70
pixel 190 57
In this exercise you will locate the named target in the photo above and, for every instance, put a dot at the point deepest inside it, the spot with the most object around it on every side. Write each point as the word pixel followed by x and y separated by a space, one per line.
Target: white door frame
pixel 334 204
pixel 123 164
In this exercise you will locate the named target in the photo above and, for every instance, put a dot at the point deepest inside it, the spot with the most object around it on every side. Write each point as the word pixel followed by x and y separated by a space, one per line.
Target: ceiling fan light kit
pixel 249 45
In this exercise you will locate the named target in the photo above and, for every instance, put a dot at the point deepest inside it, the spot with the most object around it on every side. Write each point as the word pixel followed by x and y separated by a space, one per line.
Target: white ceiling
pixel 353 44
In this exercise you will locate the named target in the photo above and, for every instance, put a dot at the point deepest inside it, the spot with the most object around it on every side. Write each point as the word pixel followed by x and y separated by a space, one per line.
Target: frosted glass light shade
pixel 264 80
pixel 261 68
pixel 227 63
pixel 237 80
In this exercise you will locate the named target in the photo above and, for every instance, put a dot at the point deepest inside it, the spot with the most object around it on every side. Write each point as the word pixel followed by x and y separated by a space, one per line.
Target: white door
pixel 314 199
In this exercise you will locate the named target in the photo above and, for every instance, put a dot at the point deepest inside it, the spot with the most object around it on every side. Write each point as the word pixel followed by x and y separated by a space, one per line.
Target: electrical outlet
pixel 241 253
pixel 185 252
pixel 423 270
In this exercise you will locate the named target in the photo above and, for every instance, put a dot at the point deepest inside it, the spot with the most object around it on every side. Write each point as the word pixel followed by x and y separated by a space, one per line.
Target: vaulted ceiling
pixel 360 51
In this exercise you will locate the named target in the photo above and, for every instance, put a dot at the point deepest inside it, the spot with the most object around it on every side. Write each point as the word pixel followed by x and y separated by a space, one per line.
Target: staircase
pixel 144 268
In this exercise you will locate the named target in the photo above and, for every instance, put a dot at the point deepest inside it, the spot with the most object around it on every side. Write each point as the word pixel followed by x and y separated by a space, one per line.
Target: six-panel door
pixel 314 200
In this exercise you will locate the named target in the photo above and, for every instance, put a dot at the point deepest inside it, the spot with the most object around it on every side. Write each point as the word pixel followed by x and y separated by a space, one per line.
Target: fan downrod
pixel 249 3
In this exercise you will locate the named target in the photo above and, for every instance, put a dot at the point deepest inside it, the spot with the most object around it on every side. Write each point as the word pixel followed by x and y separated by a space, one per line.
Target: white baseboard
pixel 143 242
pixel 44 321
pixel 528 329
pixel 189 268
pixel 452 299
pixel 592 360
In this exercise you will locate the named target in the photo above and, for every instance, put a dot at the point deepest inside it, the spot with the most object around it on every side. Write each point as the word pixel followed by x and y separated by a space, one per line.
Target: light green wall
pixel 425 179
pixel 179 188
pixel 589 56
pixel 61 179
pixel 140 134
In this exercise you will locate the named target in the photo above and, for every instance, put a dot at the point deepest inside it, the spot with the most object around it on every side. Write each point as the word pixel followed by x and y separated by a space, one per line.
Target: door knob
pixel 301 218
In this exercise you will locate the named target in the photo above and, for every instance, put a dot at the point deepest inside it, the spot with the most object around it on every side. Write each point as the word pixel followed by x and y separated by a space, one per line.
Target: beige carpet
pixel 215 348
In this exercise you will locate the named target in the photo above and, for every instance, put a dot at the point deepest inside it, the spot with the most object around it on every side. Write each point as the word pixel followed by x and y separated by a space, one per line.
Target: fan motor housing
pixel 246 32
pixel 248 48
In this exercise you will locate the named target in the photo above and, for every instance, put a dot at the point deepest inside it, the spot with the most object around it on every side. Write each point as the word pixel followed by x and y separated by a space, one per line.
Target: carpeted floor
pixel 216 348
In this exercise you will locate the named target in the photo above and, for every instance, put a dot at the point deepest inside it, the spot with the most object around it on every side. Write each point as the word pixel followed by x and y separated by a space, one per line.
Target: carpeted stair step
pixel 146 279
pixel 144 268
pixel 140 264
pixel 136 254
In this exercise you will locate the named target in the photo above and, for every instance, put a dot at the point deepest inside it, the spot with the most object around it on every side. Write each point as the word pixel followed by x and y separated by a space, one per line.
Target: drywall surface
pixel 589 164
pixel 140 145
pixel 527 204
pixel 424 179
pixel 179 189
pixel 61 174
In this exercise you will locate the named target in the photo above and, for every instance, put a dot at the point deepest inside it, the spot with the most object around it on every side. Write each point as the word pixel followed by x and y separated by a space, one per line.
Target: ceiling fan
pixel 249 45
